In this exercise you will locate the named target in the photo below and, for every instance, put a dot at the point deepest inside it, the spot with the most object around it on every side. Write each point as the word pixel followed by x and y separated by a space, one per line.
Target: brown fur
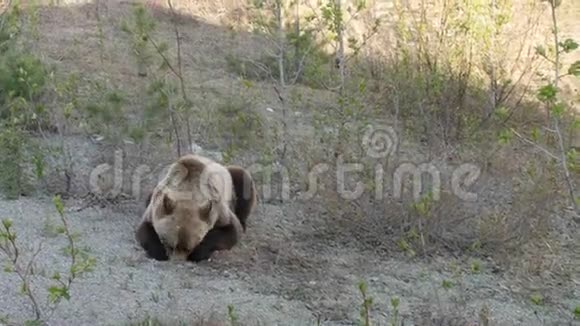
pixel 226 237
pixel 195 221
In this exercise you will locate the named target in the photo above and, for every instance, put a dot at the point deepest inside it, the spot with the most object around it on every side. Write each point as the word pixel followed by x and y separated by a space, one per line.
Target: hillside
pixel 122 95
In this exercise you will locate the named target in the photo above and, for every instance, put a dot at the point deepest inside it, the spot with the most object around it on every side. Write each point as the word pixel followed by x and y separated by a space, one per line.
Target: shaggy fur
pixel 198 208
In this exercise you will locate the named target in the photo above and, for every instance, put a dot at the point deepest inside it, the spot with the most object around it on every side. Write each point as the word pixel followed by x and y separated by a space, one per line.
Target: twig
pixel 535 145
pixel 301 65
pixel 14 255
pixel 72 248
pixel 165 60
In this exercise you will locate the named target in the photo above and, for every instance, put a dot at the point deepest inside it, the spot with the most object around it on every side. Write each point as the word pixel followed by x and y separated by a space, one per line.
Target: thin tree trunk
pixel 340 36
pixel 281 80
pixel 180 75
pixel 556 118
pixel 297 36
pixel 492 74
pixel 281 42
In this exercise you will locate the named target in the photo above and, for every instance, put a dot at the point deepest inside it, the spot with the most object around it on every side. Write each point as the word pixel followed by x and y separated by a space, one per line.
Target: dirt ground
pixel 273 278
pixel 284 272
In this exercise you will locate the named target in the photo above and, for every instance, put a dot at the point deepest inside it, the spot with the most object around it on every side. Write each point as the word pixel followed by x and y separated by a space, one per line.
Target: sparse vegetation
pixel 14 262
pixel 537 299
pixel 365 319
pixel 292 86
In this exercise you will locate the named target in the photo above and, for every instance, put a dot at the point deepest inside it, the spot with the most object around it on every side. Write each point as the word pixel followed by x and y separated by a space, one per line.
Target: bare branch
pixel 301 65
pixel 263 68
pixel 550 154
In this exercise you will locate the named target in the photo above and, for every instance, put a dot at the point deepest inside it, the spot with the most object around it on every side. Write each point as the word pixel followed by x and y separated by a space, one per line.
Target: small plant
pixel 406 247
pixel 365 306
pixel 577 313
pixel 80 263
pixel 475 267
pixel 395 305
pixel 106 114
pixel 537 299
pixel 556 109
pixel 23 78
pixel 12 157
pixel 447 284
pixel 179 109
pixel 240 125
pixel 140 29
pixel 232 316
pixel 423 209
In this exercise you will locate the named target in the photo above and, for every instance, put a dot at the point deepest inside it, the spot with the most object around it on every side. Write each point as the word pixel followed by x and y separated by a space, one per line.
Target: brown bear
pixel 199 207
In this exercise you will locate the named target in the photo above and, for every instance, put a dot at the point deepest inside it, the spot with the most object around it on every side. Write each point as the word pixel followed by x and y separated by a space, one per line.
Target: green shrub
pixel 9 28
pixel 22 80
pixel 240 124
pixel 21 75
pixel 12 158
pixel 304 61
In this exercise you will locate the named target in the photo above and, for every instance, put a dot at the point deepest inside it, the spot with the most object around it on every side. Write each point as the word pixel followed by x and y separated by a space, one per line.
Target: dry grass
pixel 512 223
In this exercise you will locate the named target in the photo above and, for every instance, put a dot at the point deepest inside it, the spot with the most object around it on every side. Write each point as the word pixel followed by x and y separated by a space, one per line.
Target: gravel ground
pixel 268 280
pixel 282 273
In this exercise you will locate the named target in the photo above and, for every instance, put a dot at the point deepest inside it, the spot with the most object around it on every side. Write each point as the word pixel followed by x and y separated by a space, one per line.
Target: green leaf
pixel 535 134
pixel 24 288
pixel 395 302
pixel 8 268
pixel 58 204
pixel 501 113
pixel 362 286
pixel 574 69
pixel 360 5
pixel 7 223
pixel 247 83
pixel 362 86
pixel 558 109
pixel 33 323
pixel 577 312
pixel 446 284
pixel 568 45
pixel 547 93
pixel 537 299
pixel 505 136
pixel 572 155
pixel 55 293
pixel 475 267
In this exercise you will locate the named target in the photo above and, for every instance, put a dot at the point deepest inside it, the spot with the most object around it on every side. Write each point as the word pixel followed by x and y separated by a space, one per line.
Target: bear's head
pixel 180 222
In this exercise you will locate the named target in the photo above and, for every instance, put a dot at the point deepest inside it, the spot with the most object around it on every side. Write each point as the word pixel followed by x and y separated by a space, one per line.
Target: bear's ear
pixel 205 209
pixel 168 204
